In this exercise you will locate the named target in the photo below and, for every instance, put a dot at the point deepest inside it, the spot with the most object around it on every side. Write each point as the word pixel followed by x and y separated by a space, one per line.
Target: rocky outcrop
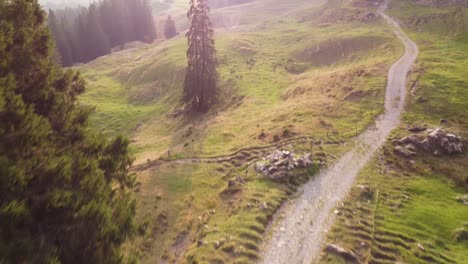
pixel 436 141
pixel 448 142
pixel 281 164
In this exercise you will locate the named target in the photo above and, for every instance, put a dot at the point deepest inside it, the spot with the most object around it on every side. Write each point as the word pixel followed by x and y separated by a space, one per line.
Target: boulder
pixel 239 179
pixel 403 152
pixel 437 141
pixel 463 199
pixel 422 99
pixel 411 147
pixel 231 184
pixel 413 139
pixel 450 143
pixel 416 129
pixel 346 254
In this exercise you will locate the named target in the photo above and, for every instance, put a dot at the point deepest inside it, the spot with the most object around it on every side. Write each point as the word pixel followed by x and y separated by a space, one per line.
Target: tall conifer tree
pixel 58 30
pixel 169 28
pixel 64 190
pixel 200 87
pixel 99 42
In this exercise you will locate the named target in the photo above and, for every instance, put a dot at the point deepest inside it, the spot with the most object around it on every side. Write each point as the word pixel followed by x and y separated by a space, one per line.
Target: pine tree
pixel 61 41
pixel 83 34
pixel 200 90
pixel 169 28
pixel 99 42
pixel 64 190
pixel 144 22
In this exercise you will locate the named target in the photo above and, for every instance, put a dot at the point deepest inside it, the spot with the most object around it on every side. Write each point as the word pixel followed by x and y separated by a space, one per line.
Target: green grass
pixel 261 69
pixel 267 84
pixel 415 203
pixel 408 205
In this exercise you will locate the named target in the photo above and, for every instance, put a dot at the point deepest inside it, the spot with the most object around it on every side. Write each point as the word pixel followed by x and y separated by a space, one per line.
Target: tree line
pixel 83 34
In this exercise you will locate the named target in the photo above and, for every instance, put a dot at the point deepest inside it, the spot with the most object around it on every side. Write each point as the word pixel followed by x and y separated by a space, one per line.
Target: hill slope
pixel 298 75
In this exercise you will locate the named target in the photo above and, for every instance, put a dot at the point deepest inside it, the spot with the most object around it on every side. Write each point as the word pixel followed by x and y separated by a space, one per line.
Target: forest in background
pixel 83 34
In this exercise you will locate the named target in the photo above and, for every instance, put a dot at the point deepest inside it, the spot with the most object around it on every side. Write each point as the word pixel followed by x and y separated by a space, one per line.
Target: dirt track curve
pixel 298 237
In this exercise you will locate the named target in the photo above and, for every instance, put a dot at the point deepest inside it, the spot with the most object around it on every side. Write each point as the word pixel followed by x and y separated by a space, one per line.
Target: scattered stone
pixel 231 183
pixel 449 143
pixel 460 234
pixel 413 139
pixel 437 141
pixel 239 179
pixel 403 152
pixel 279 164
pixel 263 206
pixel 206 217
pixel 365 192
pixel 416 129
pixel 219 243
pixel 422 99
pixel 346 254
pixel 421 247
pixel 411 147
pixel 463 199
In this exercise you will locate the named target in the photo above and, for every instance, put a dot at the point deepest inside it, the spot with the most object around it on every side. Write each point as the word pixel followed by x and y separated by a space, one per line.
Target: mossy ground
pixel 411 213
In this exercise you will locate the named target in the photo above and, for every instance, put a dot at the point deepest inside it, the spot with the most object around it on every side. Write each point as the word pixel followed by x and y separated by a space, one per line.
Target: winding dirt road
pixel 298 238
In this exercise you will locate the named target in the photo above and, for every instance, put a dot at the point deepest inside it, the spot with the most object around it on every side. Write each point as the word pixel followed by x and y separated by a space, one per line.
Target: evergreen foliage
pixel 200 90
pixel 170 30
pixel 65 191
pixel 83 34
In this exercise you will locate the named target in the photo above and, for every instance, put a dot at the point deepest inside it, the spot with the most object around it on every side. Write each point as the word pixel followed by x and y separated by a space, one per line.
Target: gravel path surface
pixel 298 238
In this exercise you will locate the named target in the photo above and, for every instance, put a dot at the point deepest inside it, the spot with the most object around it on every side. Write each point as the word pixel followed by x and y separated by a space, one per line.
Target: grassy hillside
pixel 409 213
pixel 296 75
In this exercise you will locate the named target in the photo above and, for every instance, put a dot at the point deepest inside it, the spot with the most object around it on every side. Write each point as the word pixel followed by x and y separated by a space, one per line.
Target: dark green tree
pixel 87 33
pixel 170 30
pixel 60 39
pixel 200 87
pixel 98 40
pixel 149 34
pixel 65 191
